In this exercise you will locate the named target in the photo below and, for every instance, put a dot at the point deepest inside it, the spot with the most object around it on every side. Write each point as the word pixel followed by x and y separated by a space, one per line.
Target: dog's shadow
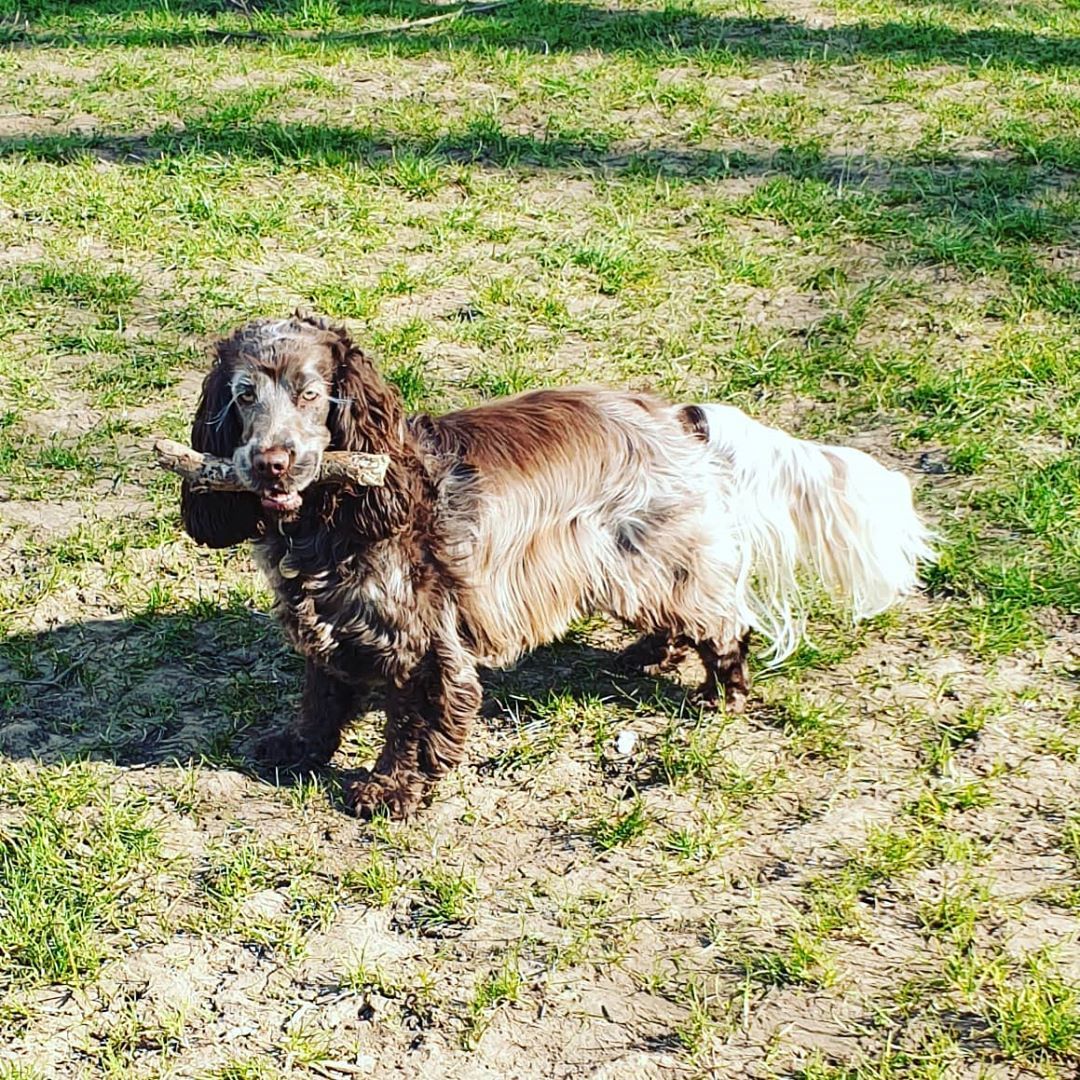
pixel 177 688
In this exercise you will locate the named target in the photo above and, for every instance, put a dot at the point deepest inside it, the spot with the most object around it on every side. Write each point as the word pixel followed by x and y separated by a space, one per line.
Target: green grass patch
pixel 76 864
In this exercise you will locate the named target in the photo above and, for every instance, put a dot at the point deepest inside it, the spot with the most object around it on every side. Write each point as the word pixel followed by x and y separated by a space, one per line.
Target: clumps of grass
pixel 544 726
pixel 692 755
pixel 533 746
pixel 689 753
pixel 802 959
pixel 501 986
pixel 813 730
pixel 614 831
pixel 417 175
pixel 595 931
pixel 11 1071
pixel 512 377
pixel 268 894
pixel 1023 565
pixel 833 904
pixel 888 853
pixel 698 846
pixel 615 266
pixel 445 898
pixel 954 913
pixel 412 378
pixel 133 380
pixel 344 299
pixel 936 1057
pixel 90 340
pixel 400 340
pixel 365 979
pixel 305 1046
pixel 246 701
pixel 886 856
pixel 92 286
pixel 1070 839
pixel 249 699
pixel 1031 1011
pixel 238 870
pixel 246 1068
pixel 933 806
pixel 402 367
pixel 1070 844
pixel 705 1023
pixel 132 1034
pixel 955 733
pixel 377 883
pixel 414 997
pixel 1036 1014
pixel 74 863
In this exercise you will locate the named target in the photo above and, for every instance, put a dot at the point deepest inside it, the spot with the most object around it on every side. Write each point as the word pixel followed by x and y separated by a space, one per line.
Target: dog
pixel 500 525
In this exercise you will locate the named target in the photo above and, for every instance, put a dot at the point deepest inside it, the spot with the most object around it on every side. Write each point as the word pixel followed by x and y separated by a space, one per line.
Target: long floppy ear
pixel 368 415
pixel 218 519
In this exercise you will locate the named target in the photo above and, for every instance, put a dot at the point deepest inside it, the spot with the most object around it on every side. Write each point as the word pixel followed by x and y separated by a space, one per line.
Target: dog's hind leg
pixel 653 653
pixel 699 609
pixel 726 670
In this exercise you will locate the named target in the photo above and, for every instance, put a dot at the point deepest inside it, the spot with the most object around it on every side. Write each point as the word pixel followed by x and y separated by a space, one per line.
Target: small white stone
pixel 625 742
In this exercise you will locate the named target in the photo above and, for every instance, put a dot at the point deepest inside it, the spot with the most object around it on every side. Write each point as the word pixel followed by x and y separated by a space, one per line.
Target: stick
pixel 403 27
pixel 206 473
pixel 397 28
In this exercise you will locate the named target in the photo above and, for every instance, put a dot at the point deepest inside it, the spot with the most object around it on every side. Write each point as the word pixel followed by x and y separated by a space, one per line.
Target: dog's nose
pixel 272 462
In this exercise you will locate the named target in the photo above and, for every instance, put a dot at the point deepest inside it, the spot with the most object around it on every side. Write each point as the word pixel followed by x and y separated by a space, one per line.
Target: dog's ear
pixel 218 519
pixel 367 415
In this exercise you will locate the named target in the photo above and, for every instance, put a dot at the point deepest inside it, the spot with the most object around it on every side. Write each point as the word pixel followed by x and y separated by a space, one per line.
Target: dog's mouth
pixel 281 495
pixel 284 497
pixel 280 501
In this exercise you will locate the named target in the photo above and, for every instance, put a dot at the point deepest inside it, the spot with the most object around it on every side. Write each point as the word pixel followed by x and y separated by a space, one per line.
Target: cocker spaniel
pixel 500 525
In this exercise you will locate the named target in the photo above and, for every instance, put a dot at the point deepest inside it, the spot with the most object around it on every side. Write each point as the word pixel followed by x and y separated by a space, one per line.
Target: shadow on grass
pixel 483 142
pixel 537 26
pixel 982 214
pixel 163 689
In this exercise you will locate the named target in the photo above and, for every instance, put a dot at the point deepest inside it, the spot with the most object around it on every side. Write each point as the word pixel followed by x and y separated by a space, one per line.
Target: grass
pixel 444 898
pixel 76 862
pixel 501 986
pixel 857 222
pixel 614 830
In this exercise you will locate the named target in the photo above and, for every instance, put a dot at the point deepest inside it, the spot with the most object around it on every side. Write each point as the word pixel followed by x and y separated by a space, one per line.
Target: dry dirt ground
pixel 857 220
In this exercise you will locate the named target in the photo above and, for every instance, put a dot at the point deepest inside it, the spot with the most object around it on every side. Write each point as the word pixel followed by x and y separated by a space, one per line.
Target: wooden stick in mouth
pixel 207 473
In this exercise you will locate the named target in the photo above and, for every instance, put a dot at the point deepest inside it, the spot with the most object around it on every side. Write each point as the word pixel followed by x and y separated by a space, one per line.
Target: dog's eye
pixel 309 395
pixel 246 396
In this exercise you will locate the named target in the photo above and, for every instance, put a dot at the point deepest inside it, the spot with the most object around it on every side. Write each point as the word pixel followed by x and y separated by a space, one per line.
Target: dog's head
pixel 280 393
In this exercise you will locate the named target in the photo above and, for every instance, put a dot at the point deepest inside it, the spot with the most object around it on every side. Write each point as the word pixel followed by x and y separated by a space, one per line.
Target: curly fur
pixel 500 525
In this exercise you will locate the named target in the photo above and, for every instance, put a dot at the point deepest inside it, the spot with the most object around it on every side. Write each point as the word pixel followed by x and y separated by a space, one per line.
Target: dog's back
pixel 557 503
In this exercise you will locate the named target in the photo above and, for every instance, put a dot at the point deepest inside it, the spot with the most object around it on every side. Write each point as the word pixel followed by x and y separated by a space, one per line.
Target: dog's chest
pixel 343 612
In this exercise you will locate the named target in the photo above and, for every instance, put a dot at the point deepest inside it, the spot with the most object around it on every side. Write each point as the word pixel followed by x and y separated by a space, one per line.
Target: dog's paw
pixel 396 797
pixel 652 655
pixel 732 702
pixel 286 749
pixel 736 702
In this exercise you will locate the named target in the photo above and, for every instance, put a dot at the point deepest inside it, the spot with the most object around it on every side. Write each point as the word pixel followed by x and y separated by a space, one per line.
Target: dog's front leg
pixel 327 707
pixel 428 720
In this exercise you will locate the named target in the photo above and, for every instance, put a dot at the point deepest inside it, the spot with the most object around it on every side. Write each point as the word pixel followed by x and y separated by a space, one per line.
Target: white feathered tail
pixel 803 508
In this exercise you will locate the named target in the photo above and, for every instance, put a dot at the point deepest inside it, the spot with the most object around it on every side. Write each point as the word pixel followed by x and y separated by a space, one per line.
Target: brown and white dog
pixel 500 525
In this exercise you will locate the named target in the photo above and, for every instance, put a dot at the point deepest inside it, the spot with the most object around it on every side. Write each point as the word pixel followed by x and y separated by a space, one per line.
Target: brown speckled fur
pixel 496 528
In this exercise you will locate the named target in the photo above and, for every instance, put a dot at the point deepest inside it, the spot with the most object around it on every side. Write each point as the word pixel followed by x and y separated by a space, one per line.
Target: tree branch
pixel 206 473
